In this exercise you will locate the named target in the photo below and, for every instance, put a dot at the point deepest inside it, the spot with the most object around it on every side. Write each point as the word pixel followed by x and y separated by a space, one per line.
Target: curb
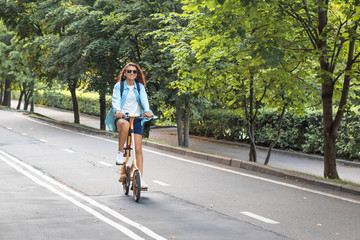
pixel 299 154
pixel 233 162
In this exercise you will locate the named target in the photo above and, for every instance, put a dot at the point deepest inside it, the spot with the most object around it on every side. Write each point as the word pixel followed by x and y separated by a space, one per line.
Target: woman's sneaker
pixel 144 186
pixel 120 160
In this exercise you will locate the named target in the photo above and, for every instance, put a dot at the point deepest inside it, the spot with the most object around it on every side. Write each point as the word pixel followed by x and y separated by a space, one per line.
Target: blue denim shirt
pixel 118 101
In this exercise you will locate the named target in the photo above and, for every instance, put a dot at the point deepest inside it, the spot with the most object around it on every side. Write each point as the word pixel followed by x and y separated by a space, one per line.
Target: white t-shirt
pixel 131 106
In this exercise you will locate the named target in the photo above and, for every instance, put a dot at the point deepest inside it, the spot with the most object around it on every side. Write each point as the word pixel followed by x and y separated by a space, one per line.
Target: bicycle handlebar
pixel 127 116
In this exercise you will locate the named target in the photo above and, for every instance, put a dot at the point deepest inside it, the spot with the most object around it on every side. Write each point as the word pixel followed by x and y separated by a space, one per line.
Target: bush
pixel 221 124
pixel 298 133
pixel 88 102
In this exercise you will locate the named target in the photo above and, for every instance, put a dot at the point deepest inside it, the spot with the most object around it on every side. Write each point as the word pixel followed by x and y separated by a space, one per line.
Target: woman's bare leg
pixel 138 152
pixel 123 127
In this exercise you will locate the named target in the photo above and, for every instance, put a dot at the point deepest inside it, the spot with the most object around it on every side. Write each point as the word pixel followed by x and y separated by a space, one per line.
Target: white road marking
pixel 9 128
pixel 106 164
pixel 161 183
pixel 14 162
pixel 258 217
pixel 214 167
pixel 25 134
pixel 256 177
pixel 77 203
pixel 68 150
pixel 42 140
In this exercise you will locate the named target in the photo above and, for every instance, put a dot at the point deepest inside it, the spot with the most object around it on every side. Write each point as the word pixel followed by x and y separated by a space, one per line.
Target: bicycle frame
pixel 132 173
pixel 130 147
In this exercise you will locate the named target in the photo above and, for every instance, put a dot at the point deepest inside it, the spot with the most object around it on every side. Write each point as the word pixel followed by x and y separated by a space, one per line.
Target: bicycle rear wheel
pixel 136 186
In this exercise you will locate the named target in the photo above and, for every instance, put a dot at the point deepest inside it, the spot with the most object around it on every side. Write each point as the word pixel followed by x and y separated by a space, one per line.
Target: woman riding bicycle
pixel 130 98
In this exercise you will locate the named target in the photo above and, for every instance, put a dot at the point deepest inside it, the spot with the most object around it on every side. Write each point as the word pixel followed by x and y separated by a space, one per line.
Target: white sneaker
pixel 144 186
pixel 120 160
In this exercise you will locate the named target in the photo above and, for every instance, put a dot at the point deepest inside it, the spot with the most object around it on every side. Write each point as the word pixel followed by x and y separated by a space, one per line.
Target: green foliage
pixel 88 102
pixel 221 124
pixel 348 144
pixel 298 133
pixel 292 131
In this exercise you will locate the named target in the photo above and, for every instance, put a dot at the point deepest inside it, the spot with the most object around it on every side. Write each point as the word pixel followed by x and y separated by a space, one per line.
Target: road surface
pixel 61 184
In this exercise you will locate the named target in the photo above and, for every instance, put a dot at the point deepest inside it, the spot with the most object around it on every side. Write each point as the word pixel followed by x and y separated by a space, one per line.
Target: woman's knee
pixel 122 124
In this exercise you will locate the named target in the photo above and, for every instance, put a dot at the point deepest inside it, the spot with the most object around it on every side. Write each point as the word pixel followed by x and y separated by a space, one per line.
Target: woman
pixel 135 102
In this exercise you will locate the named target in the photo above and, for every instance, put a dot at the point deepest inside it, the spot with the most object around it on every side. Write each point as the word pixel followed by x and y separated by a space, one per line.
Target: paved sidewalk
pixel 279 159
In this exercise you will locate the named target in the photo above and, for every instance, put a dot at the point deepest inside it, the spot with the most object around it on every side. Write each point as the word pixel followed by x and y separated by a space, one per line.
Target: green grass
pixel 346 182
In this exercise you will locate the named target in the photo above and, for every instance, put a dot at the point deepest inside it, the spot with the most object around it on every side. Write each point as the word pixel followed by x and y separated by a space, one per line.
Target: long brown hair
pixel 140 76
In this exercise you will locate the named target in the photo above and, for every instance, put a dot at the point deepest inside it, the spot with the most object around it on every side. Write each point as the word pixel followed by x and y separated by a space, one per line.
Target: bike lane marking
pixel 215 167
pixel 16 163
pixel 105 164
pixel 161 183
pixel 257 177
pixel 258 217
pixel 68 150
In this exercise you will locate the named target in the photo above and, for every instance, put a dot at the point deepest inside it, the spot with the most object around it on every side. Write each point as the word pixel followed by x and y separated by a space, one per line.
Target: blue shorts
pixel 137 125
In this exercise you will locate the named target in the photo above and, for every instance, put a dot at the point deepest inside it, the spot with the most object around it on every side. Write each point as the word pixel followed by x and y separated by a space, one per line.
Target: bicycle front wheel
pixel 136 185
pixel 126 181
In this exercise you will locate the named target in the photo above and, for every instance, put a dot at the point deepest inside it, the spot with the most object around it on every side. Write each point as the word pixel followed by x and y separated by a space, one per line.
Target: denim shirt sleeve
pixel 116 98
pixel 144 99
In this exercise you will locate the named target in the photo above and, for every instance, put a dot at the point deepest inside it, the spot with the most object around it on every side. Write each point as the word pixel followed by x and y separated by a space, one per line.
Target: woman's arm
pixel 116 100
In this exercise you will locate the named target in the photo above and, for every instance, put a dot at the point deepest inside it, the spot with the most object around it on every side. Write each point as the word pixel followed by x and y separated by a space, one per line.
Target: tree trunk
pixel 102 101
pixel 7 93
pixel 327 90
pixel 26 101
pixel 28 95
pixel 251 125
pixel 272 145
pixel 72 89
pixel 1 91
pixel 186 123
pixel 32 109
pixel 178 121
pixel 252 151
pixel 20 99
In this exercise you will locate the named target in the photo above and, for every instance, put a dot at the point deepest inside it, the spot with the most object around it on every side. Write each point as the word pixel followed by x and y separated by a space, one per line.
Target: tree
pixel 236 53
pixel 333 38
pixel 6 65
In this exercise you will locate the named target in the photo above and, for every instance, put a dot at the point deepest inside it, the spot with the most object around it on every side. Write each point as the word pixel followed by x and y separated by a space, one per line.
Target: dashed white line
pixel 214 167
pixel 68 150
pixel 9 128
pixel 105 164
pixel 42 140
pixel 260 218
pixel 25 134
pixel 161 183
pixel 256 177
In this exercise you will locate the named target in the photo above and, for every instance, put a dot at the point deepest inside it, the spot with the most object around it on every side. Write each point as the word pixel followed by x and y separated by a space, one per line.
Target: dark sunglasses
pixel 134 71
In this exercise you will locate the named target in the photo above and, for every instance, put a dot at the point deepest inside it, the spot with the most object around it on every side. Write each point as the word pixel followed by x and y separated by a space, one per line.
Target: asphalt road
pixel 61 184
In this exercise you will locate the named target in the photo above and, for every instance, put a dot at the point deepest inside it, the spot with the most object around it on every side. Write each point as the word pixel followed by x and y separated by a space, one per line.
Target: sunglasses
pixel 134 71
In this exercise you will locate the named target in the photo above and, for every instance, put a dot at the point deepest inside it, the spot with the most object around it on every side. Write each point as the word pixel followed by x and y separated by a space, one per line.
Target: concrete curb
pixel 299 154
pixel 237 163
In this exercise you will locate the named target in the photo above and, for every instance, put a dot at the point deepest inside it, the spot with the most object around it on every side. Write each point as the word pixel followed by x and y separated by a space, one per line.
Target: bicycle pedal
pixel 122 177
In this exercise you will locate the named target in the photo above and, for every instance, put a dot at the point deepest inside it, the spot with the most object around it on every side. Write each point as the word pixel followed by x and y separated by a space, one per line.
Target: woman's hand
pixel 148 115
pixel 119 114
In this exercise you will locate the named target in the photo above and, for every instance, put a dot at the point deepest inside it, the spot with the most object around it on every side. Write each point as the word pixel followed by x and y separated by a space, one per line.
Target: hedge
pixel 298 133
pixel 88 102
